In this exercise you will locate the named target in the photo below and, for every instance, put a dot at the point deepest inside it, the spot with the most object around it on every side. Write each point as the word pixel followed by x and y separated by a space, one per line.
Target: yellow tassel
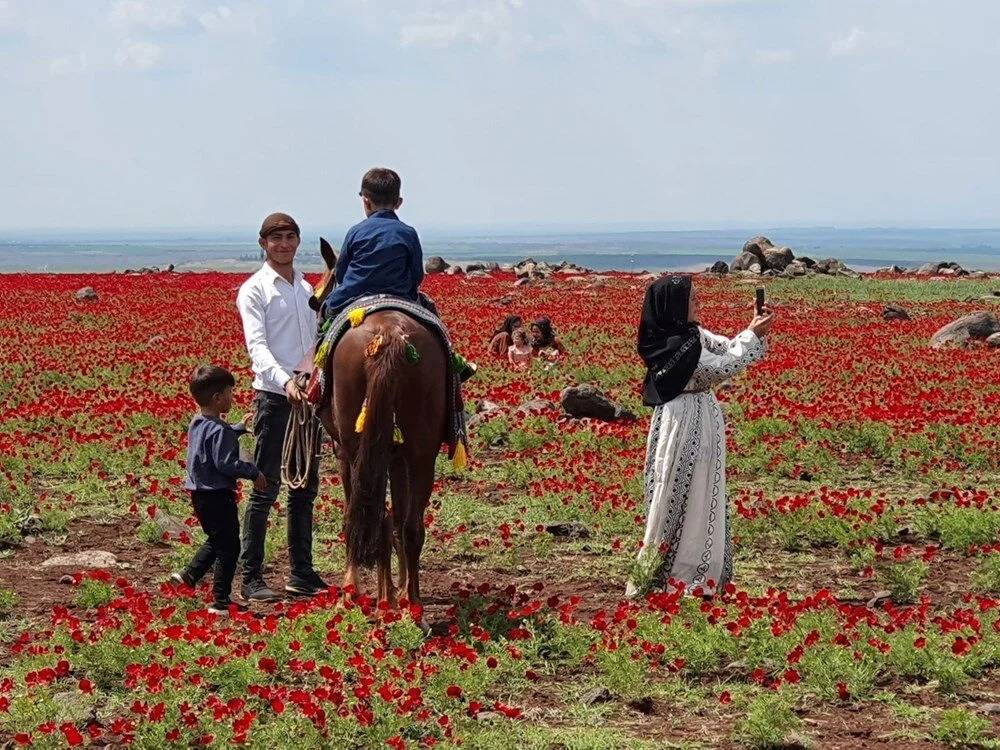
pixel 321 353
pixel 356 316
pixel 460 460
pixel 373 346
pixel 397 435
pixel 359 424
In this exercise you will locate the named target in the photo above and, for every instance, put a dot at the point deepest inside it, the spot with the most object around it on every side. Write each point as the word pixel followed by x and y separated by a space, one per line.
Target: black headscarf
pixel 509 324
pixel 544 326
pixel 669 343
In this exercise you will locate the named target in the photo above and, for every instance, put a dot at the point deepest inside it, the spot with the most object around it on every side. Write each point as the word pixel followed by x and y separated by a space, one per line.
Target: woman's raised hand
pixel 761 324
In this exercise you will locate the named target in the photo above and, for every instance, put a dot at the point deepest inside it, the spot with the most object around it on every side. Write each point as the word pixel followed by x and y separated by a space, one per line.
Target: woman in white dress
pixel 687 517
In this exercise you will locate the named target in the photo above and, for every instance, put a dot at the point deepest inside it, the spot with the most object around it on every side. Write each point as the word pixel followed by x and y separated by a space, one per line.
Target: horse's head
pixel 326 281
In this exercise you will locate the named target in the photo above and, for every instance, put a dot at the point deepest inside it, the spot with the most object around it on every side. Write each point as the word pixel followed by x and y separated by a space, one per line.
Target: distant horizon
pixel 513 228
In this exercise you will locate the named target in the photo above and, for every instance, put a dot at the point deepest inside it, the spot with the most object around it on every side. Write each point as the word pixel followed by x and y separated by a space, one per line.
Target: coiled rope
pixel 301 445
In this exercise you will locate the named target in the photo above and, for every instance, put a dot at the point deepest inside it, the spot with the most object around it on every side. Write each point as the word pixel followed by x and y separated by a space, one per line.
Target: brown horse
pixel 371 371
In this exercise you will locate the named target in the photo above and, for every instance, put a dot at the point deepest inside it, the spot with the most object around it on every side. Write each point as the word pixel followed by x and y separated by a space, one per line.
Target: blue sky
pixel 634 113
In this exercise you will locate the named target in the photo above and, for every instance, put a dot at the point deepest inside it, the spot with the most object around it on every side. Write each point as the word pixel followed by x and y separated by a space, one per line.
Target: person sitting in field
pixel 382 255
pixel 543 339
pixel 519 353
pixel 503 337
pixel 213 466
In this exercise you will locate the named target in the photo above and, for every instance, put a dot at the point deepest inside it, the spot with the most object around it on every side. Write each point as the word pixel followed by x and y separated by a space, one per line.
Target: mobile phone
pixel 760 301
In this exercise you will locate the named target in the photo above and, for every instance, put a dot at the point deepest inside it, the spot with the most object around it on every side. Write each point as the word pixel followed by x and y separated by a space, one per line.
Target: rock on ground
pixel 568 529
pixel 435 264
pixel 744 262
pixel 588 401
pixel 778 258
pixel 86 560
pixel 757 245
pixel 720 266
pixel 85 293
pixel 167 524
pixel 979 325
pixel 895 312
pixel 993 340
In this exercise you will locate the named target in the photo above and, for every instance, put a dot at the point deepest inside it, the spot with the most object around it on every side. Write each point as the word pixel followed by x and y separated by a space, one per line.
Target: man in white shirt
pixel 280 328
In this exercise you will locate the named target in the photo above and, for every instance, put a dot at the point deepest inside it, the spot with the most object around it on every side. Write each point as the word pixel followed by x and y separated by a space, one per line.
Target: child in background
pixel 519 353
pixel 213 466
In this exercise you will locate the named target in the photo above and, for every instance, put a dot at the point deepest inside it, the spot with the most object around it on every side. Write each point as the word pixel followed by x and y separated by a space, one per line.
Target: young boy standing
pixel 213 466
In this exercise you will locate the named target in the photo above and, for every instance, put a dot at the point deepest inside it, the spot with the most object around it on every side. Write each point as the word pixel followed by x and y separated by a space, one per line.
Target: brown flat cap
pixel 277 221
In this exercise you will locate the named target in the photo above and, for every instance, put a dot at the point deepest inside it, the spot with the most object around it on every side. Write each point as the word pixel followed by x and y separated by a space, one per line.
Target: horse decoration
pixel 387 392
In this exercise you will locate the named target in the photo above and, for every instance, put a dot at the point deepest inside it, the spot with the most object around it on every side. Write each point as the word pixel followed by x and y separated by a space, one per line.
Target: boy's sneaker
pixel 258 591
pixel 309 585
pixel 183 578
pixel 221 609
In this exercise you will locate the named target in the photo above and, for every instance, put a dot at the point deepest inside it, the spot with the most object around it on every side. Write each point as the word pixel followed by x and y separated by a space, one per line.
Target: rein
pixel 301 445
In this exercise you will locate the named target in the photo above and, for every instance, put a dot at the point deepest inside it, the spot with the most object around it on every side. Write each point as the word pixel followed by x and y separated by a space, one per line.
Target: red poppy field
pixel 864 477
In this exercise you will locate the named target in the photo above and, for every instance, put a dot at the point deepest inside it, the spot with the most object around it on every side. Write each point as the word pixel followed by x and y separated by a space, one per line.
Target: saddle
pixel 333 329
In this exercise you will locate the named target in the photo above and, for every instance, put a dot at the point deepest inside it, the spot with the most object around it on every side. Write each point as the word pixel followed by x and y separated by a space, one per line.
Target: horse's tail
pixel 367 540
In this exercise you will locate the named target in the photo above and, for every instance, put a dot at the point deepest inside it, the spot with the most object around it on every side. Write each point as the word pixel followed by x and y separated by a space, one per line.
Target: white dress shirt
pixel 278 324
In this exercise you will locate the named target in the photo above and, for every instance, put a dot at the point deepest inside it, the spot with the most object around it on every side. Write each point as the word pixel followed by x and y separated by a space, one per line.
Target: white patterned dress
pixel 687 520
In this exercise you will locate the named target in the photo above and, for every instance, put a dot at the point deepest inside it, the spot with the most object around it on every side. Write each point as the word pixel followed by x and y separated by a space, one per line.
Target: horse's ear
pixel 326 250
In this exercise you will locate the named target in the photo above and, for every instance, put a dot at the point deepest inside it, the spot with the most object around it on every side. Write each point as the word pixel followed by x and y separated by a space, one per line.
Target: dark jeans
pixel 216 510
pixel 269 428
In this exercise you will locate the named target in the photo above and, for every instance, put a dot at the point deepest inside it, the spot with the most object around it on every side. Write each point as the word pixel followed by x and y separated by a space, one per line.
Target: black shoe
pixel 222 608
pixel 258 591
pixel 309 585
pixel 183 578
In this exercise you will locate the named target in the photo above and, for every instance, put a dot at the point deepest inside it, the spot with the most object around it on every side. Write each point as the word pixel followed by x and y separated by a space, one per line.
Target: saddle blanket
pixel 333 329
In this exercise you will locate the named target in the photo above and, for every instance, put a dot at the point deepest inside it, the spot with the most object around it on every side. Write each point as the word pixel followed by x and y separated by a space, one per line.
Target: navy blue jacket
pixel 213 455
pixel 381 255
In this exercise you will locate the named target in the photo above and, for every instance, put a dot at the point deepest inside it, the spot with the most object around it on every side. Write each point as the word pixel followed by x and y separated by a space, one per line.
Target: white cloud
pixel 216 18
pixel 139 55
pixel 773 56
pixel 481 22
pixel 155 15
pixel 847 45
pixel 68 64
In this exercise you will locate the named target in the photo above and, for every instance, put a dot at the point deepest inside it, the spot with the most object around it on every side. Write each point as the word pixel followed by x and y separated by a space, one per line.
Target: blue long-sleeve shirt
pixel 213 455
pixel 381 255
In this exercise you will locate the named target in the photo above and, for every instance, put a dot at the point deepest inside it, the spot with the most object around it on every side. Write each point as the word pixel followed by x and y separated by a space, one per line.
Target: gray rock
pixel 435 264
pixel 778 258
pixel 596 695
pixel 31 524
pixel 757 245
pixel 806 261
pixel 167 524
pixel 895 312
pixel 470 267
pixel 979 325
pixel 990 708
pixel 157 339
pixel 568 530
pixel 66 580
pixel 744 260
pixel 535 406
pixel 795 269
pixel 85 294
pixel 928 269
pixel 892 269
pixel 755 268
pixel 523 281
pixel 993 340
pixel 454 270
pixel 485 406
pixel 86 560
pixel 720 266
pixel 588 401
pixel 829 265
